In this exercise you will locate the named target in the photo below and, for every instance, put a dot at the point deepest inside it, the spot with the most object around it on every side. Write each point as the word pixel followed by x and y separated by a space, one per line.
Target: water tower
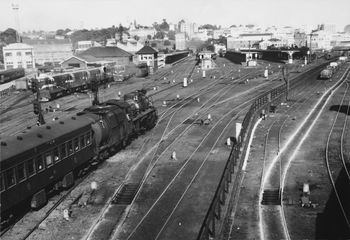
pixel 15 8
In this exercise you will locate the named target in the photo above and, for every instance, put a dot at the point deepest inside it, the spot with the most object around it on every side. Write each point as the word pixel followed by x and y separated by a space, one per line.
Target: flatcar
pixel 49 157
pixel 11 74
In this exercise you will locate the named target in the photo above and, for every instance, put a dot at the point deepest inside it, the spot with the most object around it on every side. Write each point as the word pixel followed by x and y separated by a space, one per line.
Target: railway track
pixel 271 186
pixel 189 168
pixel 58 202
pixel 158 150
pixel 221 101
pixel 242 228
pixel 334 157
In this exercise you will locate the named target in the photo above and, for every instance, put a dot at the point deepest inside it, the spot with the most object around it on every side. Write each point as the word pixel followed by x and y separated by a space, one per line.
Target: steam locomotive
pixel 51 156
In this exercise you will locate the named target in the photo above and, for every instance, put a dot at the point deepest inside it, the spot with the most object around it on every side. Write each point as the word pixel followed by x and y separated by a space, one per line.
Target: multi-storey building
pixel 188 28
pixel 180 41
pixel 50 51
pixel 321 40
pixel 300 39
pixel 84 45
pixel 18 55
pixel 247 40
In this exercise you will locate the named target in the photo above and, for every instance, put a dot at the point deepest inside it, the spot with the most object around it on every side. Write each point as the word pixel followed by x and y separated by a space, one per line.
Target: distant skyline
pixel 77 14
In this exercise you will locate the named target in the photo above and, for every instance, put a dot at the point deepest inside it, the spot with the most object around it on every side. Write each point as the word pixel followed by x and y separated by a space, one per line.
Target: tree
pixel 159 35
pixel 149 37
pixel 136 37
pixel 60 32
pixel 164 26
pixel 209 26
pixel 156 26
pixel 8 36
pixel 167 43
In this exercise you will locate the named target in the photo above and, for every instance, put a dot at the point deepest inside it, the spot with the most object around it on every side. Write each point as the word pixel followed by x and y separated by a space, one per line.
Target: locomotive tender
pixel 51 156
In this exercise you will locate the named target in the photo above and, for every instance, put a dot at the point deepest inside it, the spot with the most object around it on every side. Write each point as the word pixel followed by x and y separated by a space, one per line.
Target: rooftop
pixel 46 41
pixel 147 50
pixel 102 52
pixel 14 46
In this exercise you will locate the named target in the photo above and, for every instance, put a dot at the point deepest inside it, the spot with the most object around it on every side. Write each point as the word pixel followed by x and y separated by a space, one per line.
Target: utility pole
pixel 94 89
pixel 285 74
pixel 310 47
pixel 15 8
pixel 36 103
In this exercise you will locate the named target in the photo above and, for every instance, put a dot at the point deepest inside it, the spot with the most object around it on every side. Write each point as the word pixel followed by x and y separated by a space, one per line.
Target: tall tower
pixel 15 8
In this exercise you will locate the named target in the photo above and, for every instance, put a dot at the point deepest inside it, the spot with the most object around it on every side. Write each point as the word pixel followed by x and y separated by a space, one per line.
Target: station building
pixel 99 56
pixel 149 56
pixel 18 55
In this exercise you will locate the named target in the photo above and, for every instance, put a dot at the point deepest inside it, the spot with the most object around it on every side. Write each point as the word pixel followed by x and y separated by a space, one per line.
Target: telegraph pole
pixel 36 103
pixel 285 74
pixel 94 89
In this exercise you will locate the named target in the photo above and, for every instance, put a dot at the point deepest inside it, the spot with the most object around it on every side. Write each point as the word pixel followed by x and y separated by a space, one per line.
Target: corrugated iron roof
pixel 147 50
pixel 103 52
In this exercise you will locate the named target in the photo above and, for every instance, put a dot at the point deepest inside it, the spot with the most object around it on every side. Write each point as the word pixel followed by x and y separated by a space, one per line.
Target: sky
pixel 77 14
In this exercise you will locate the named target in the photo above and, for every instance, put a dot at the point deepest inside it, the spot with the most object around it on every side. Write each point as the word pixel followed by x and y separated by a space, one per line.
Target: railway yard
pixel 285 175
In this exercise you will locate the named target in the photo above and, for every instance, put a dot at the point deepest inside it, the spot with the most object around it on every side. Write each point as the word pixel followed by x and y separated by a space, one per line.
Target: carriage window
pixel 21 174
pixel 30 167
pixel 2 186
pixel 39 163
pixel 63 151
pixel 10 177
pixel 56 155
pixel 70 147
pixel 82 141
pixel 88 139
pixel 48 159
pixel 76 144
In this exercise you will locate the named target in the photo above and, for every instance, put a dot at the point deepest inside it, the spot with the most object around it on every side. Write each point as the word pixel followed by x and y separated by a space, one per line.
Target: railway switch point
pixel 173 156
